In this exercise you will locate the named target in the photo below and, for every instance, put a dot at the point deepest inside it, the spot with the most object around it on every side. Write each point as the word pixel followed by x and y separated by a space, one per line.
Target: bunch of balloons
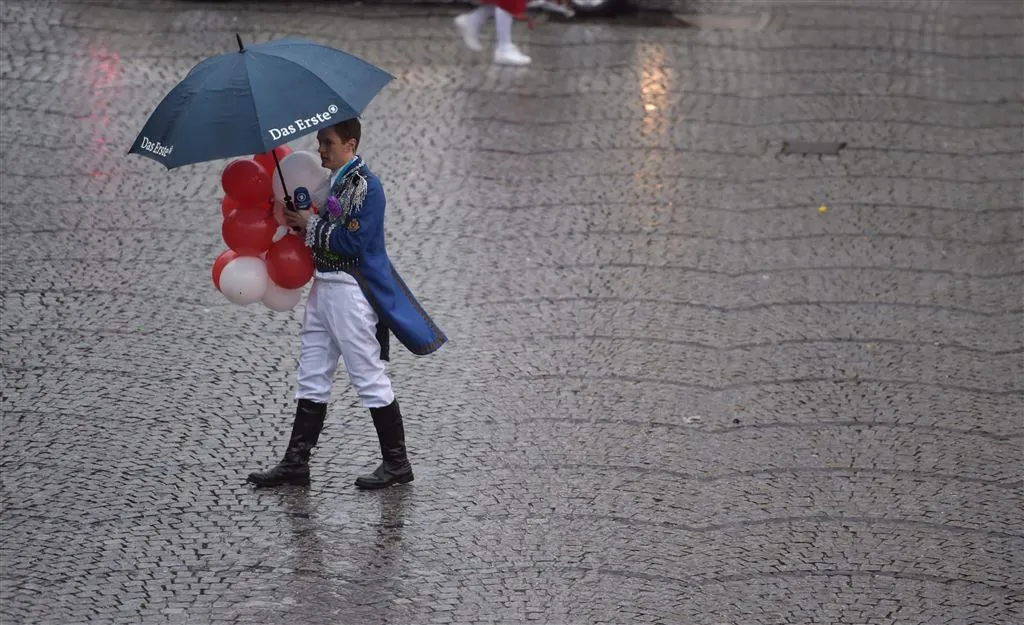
pixel 265 262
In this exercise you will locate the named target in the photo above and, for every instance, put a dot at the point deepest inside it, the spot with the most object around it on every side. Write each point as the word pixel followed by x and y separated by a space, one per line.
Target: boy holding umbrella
pixel 357 298
pixel 277 91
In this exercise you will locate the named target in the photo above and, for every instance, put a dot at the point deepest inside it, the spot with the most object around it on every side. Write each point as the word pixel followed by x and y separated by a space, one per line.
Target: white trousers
pixel 502 21
pixel 341 324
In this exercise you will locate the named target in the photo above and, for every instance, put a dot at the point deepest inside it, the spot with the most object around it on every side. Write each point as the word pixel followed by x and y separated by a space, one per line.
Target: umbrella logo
pixel 303 124
pixel 156 148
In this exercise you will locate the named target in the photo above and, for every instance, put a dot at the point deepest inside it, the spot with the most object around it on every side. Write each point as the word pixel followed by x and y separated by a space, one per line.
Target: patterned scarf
pixel 347 193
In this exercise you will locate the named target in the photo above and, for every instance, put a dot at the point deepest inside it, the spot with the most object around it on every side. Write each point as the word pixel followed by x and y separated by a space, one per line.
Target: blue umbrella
pixel 258 98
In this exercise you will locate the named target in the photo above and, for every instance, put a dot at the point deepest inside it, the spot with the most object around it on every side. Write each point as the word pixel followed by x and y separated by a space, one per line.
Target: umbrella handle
pixel 287 198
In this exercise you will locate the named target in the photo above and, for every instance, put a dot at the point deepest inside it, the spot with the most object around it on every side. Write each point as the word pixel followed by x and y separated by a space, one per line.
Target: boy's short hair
pixel 349 129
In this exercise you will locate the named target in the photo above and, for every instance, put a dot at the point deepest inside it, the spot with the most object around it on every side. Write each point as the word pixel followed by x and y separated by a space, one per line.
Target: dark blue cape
pixel 360 239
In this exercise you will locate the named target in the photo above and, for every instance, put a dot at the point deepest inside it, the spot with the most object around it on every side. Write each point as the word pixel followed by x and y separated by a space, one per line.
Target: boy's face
pixel 334 152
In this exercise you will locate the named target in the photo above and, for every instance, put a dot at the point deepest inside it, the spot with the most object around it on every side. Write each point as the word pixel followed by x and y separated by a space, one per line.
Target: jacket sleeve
pixel 351 237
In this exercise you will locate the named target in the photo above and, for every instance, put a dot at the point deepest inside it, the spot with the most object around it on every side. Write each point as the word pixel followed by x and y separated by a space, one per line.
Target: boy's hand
pixel 279 210
pixel 297 219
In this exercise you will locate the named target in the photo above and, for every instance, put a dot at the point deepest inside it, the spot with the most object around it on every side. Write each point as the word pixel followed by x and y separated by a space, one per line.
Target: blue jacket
pixel 355 245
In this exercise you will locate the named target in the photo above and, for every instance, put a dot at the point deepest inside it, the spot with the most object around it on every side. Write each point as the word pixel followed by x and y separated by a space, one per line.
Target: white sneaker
pixel 469 34
pixel 510 55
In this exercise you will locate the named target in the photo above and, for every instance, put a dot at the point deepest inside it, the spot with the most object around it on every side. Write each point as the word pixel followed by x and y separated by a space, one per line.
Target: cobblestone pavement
pixel 675 391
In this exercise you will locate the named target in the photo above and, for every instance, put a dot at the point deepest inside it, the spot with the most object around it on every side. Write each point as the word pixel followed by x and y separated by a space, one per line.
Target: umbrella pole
pixel 287 198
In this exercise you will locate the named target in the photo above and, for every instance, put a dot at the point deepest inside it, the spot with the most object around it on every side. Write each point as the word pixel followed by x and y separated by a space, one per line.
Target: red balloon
pixel 267 158
pixel 249 233
pixel 228 204
pixel 290 263
pixel 222 261
pixel 247 181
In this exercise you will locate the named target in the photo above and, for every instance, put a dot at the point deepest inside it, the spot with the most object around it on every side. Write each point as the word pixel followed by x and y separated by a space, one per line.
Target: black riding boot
pixel 294 467
pixel 396 468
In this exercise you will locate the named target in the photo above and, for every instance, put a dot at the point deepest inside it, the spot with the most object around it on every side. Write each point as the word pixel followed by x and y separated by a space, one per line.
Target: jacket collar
pixel 347 167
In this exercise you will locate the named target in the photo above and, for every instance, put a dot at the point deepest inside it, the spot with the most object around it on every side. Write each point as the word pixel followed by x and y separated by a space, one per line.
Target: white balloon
pixel 278 208
pixel 280 233
pixel 300 169
pixel 244 280
pixel 319 194
pixel 281 299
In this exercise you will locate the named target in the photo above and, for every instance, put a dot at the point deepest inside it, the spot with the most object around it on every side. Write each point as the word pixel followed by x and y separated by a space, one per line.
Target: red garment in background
pixel 515 7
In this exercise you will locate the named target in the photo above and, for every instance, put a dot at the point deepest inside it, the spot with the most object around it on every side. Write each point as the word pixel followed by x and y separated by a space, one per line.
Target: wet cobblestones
pixel 675 392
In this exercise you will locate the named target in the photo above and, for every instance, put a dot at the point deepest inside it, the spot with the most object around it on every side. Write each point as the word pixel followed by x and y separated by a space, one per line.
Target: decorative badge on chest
pixel 353 225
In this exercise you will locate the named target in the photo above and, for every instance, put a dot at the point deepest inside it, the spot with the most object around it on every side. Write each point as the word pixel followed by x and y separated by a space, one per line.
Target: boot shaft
pixel 390 433
pixel 396 468
pixel 294 467
pixel 306 428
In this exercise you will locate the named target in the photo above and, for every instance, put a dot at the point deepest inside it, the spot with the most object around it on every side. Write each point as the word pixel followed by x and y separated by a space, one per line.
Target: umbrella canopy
pixel 253 100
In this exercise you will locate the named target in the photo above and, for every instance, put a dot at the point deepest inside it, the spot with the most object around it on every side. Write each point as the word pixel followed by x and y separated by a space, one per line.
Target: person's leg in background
pixel 469 25
pixel 506 52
